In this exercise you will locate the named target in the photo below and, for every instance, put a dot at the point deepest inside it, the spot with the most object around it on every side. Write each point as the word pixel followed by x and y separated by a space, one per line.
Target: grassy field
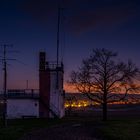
pixel 121 129
pixel 17 128
pixel 116 129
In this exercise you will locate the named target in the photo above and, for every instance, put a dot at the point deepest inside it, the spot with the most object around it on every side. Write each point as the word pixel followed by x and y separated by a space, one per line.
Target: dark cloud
pixel 39 9
pixel 101 17
pixel 82 15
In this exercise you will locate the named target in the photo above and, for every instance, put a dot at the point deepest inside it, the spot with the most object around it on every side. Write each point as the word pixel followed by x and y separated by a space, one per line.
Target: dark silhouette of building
pixel 51 103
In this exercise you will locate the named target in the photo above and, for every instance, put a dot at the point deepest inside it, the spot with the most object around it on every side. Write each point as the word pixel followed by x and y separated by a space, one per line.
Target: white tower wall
pixel 56 93
pixel 18 108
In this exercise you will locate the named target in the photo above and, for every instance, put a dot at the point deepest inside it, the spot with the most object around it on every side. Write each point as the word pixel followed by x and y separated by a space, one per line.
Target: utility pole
pixel 5 85
pixel 27 83
pixel 4 60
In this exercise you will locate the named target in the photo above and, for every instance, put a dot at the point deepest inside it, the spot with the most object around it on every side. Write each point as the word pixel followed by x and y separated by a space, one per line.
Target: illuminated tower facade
pixel 51 102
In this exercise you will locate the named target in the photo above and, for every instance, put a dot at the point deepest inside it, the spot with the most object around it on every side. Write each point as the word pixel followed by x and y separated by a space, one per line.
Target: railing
pixel 55 109
pixel 23 91
pixel 18 93
pixel 49 108
pixel 54 65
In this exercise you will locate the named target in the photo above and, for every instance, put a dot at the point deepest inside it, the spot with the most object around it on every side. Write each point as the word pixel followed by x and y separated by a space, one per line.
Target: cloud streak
pixel 83 15
pixel 100 18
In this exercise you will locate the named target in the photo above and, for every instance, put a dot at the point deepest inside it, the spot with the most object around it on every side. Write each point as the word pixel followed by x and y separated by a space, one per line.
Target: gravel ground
pixel 62 132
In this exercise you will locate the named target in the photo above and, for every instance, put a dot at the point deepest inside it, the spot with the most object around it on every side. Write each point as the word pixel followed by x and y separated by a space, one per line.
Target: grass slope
pixel 117 129
pixel 121 130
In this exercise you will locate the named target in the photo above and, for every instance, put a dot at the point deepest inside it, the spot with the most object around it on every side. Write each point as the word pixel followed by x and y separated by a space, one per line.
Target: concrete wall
pixel 16 108
pixel 56 95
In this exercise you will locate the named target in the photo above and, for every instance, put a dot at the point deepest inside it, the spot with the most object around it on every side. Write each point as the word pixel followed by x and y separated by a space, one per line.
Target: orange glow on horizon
pixel 69 88
pixel 72 89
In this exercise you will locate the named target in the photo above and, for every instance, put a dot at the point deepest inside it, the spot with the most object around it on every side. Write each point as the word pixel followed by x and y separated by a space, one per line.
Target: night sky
pixel 31 26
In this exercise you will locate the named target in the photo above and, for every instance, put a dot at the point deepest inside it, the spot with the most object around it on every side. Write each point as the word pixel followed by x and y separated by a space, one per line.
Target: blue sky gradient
pixel 30 25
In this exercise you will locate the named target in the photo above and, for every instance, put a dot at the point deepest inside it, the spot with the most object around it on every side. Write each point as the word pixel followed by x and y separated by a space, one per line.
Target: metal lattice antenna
pixel 4 60
pixel 58 33
pixel 58 44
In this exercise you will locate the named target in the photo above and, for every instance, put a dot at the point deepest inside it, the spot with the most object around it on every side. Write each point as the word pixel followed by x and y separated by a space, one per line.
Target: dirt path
pixel 62 132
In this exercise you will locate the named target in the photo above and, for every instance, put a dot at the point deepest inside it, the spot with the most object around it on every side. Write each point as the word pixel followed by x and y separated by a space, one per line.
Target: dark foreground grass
pixel 17 128
pixel 121 129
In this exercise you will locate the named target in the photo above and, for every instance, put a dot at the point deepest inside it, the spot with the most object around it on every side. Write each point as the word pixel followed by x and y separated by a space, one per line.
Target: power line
pixel 4 60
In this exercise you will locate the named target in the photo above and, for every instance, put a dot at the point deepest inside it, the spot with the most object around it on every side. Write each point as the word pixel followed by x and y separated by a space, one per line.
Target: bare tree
pixel 104 79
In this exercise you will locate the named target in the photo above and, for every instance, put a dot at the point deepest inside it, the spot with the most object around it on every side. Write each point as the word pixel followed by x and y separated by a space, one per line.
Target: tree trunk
pixel 105 111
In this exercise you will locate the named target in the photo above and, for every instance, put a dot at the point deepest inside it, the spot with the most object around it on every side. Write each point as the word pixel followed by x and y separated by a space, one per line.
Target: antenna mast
pixel 58 43
pixel 58 33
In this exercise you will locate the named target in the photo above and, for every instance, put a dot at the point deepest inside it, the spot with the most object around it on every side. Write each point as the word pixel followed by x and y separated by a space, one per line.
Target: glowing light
pixel 79 105
pixel 86 103
pixel 1 102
